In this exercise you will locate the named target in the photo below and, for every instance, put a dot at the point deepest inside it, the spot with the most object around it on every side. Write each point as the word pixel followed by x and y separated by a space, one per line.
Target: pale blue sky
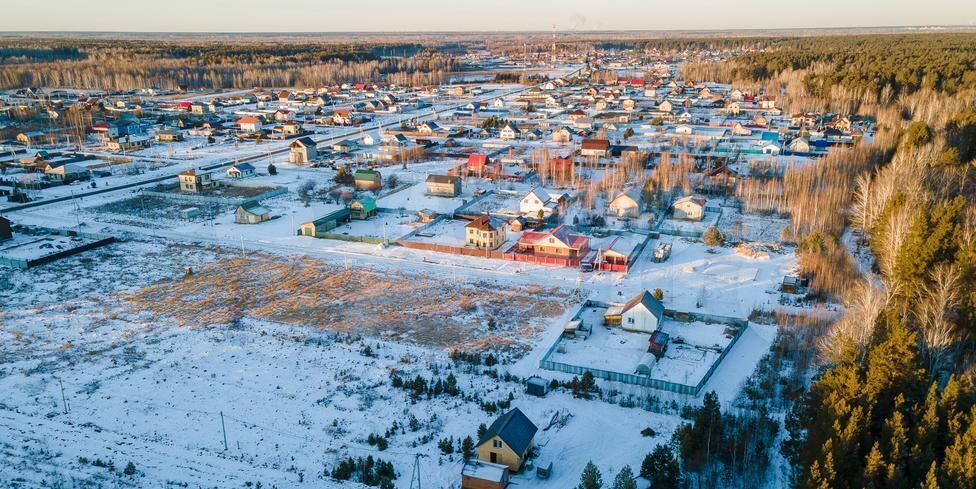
pixel 466 15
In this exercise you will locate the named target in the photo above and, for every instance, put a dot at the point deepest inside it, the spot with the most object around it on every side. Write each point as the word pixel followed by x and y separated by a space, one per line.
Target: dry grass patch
pixel 390 304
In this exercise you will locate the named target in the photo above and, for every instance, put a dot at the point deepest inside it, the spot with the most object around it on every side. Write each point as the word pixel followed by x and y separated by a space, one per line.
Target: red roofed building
pixel 558 242
pixel 477 163
pixel 249 124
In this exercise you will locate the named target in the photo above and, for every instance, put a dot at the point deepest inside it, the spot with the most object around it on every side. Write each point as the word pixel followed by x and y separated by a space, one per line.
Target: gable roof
pixel 485 223
pixel 242 167
pixel 449 179
pixel 368 203
pixel 366 175
pixel 597 144
pixel 514 428
pixel 304 141
pixel 648 300
pixel 539 194
pixel 561 233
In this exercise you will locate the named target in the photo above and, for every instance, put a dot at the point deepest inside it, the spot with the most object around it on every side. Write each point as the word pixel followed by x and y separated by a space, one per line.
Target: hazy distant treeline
pixel 872 64
pixel 103 64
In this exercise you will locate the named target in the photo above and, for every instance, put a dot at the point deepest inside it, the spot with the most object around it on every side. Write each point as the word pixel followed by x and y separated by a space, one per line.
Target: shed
pixel 189 213
pixel 537 386
pixel 477 474
pixel 544 469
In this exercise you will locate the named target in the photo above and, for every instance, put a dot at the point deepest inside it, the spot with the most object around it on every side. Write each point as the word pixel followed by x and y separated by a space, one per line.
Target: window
pixel 496 443
pixel 630 320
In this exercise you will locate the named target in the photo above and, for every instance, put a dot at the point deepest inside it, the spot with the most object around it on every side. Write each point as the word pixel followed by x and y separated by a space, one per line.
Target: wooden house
pixel 508 441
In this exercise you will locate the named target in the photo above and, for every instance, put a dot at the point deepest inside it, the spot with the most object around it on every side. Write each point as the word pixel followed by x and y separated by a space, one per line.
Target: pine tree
pixel 960 457
pixel 590 478
pixel 661 468
pixel 625 479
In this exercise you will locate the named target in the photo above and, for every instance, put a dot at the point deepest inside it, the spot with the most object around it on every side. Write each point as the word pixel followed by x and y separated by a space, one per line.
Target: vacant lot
pixel 393 305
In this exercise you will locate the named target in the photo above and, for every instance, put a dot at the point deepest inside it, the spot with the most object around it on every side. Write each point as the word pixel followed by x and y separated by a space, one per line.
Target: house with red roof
pixel 477 164
pixel 249 124
pixel 559 242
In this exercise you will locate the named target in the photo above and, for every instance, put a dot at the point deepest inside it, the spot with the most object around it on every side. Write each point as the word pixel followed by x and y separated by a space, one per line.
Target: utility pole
pixel 64 400
pixel 243 254
pixel 224 429
pixel 415 475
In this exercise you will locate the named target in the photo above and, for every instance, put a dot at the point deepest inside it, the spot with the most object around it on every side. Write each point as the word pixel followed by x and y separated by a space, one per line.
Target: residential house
pixel 67 172
pixel 249 124
pixel 303 150
pixel 595 147
pixel 485 232
pixel 538 204
pixel 443 185
pixel 169 136
pixel 689 207
pixel 627 204
pixel 562 135
pixel 128 143
pixel 642 314
pixel 558 242
pixel 241 170
pixel 341 117
pixel 368 180
pixel 509 132
pixel 251 213
pixel 362 208
pixel 508 441
pixel 191 181
pixel 428 128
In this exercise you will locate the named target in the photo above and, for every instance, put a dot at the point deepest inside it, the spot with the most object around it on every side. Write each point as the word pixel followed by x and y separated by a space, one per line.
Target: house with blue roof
pixel 508 440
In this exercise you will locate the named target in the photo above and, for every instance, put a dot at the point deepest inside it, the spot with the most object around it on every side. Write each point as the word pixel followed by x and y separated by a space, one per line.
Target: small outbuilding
pixel 251 213
pixel 477 474
pixel 537 386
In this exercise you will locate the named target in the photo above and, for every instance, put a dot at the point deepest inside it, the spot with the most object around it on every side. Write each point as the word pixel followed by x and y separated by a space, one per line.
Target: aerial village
pixel 486 283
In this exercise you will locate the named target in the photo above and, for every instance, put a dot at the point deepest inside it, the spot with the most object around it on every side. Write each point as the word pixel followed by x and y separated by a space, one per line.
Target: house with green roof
pixel 325 223
pixel 362 208
pixel 368 179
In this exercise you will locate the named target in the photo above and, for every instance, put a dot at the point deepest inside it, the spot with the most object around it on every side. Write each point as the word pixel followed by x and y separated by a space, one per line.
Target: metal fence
pixel 213 199
pixel 641 380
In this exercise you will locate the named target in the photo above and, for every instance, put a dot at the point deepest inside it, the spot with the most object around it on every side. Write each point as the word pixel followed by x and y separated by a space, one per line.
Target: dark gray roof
pixel 514 428
pixel 652 304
